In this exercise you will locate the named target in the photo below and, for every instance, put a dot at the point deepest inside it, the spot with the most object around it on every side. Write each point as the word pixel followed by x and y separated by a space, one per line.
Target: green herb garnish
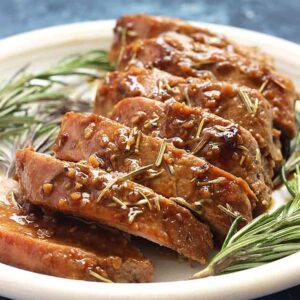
pixel 32 104
pixel 269 237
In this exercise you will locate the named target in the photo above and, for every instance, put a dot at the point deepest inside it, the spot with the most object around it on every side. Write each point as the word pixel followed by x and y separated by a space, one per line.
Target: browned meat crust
pixel 88 192
pixel 174 172
pixel 65 247
pixel 220 98
pixel 180 55
pixel 222 143
pixel 132 27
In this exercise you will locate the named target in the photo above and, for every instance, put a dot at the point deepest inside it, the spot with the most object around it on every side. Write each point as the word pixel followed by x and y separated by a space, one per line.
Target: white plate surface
pixel 43 47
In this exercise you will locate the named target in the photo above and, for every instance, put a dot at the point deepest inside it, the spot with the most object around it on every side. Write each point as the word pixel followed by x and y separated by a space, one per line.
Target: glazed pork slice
pixel 181 56
pixel 62 246
pixel 111 199
pixel 170 172
pixel 220 98
pixel 222 143
pixel 132 27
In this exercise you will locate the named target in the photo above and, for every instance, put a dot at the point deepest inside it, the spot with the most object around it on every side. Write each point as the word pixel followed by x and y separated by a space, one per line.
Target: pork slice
pixel 61 246
pixel 220 98
pixel 129 28
pixel 180 55
pixel 222 143
pixel 173 172
pixel 91 193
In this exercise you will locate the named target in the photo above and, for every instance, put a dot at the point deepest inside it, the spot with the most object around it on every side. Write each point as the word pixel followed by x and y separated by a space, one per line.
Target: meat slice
pixel 220 98
pixel 172 172
pixel 65 247
pixel 111 199
pixel 132 27
pixel 222 143
pixel 180 55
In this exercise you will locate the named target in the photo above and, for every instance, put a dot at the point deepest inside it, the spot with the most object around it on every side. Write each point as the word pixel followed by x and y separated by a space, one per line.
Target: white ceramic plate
pixel 43 47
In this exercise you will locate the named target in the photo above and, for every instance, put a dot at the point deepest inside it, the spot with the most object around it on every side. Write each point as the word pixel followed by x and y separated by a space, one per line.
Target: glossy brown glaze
pixel 180 55
pixel 89 192
pixel 223 143
pixel 132 27
pixel 220 98
pixel 178 173
pixel 62 246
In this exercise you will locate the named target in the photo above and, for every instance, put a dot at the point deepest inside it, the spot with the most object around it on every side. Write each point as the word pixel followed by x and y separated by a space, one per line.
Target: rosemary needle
pixel 200 127
pixel 99 277
pixel 161 152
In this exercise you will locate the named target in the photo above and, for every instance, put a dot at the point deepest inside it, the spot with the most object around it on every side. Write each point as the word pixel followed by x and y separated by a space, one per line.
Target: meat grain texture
pixel 190 178
pixel 179 55
pixel 222 143
pixel 84 191
pixel 219 98
pixel 53 244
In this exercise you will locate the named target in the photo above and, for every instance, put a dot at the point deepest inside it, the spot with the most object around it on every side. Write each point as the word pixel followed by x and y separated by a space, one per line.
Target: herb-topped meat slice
pixel 111 199
pixel 169 171
pixel 180 55
pixel 132 27
pixel 221 98
pixel 222 143
pixel 62 246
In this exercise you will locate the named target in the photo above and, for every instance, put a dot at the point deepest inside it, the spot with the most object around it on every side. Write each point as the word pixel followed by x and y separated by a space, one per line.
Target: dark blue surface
pixel 276 17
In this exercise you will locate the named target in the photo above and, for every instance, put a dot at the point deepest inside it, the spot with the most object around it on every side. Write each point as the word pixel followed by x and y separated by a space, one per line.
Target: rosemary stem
pixel 208 271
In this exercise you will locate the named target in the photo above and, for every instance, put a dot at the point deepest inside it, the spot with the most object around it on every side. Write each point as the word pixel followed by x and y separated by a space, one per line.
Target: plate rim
pixel 59 30
pixel 247 280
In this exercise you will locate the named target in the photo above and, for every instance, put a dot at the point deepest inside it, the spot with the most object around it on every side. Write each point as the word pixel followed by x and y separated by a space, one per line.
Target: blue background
pixel 277 17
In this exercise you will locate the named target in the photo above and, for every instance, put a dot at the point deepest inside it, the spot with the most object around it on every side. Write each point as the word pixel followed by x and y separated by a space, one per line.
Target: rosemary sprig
pixel 45 88
pixel 80 64
pixel 293 184
pixel 39 136
pixel 294 159
pixel 32 104
pixel 269 237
